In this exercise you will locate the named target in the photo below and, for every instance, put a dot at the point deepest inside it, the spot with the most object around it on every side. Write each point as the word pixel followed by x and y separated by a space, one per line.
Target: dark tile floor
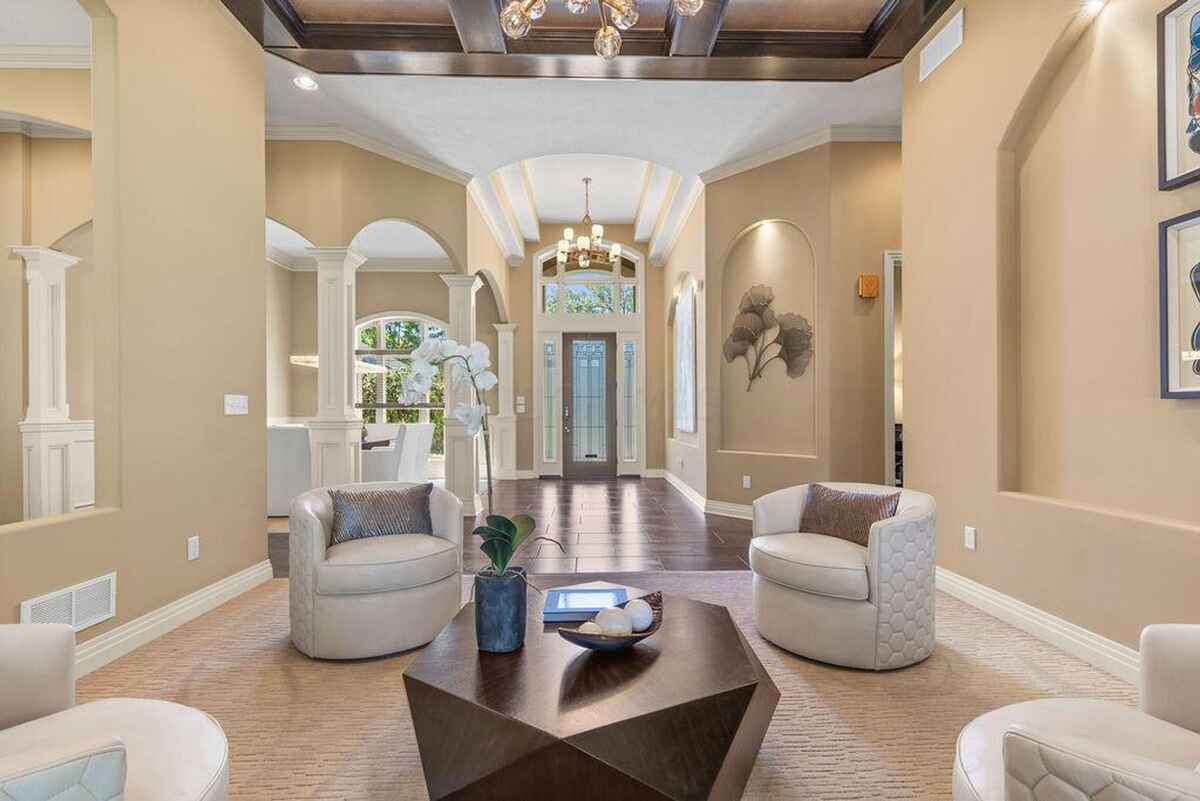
pixel 604 526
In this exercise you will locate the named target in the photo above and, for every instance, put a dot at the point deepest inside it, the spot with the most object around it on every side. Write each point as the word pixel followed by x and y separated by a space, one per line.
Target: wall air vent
pixel 86 604
pixel 947 40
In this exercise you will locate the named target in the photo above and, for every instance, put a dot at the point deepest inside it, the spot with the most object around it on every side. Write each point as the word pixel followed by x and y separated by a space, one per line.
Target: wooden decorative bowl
pixel 605 642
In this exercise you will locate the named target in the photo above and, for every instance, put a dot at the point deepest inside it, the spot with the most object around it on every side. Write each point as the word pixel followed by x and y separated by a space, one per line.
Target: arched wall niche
pixel 777 254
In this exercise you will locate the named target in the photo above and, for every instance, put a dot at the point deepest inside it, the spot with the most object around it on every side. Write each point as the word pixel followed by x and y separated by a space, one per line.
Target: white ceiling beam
pixel 503 227
pixel 519 191
pixel 655 194
pixel 685 192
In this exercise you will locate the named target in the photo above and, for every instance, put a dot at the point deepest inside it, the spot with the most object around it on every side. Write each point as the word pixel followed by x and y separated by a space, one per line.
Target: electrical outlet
pixel 745 482
pixel 237 404
pixel 193 548
pixel 969 537
pixel 680 460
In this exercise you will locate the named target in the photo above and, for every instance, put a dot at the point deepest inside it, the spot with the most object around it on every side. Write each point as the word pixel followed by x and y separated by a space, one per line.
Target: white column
pixel 462 462
pixel 335 433
pixel 504 424
pixel 57 453
pixel 46 280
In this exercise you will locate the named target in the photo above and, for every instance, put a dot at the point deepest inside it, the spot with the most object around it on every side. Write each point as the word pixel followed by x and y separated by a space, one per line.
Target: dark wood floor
pixel 604 526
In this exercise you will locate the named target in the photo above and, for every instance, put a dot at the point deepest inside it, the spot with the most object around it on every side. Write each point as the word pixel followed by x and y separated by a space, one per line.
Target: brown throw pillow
pixel 380 512
pixel 847 515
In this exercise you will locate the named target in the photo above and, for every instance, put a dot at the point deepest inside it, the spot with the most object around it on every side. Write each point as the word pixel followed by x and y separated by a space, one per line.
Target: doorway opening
pixel 893 368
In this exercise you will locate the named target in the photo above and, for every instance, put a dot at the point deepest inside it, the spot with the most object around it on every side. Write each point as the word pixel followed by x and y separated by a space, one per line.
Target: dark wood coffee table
pixel 679 716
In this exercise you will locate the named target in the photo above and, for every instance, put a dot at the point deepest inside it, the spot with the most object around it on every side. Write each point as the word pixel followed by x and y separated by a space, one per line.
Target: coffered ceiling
pixel 793 40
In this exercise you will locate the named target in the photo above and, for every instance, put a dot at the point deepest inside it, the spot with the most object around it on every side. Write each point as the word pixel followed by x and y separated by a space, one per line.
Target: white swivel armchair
pixel 835 601
pixel 1065 748
pixel 289 466
pixel 372 596
pixel 118 749
pixel 383 463
pixel 414 460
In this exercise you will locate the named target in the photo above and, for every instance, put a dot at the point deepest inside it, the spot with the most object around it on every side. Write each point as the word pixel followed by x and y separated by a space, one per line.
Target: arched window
pixel 602 289
pixel 384 345
pixel 685 358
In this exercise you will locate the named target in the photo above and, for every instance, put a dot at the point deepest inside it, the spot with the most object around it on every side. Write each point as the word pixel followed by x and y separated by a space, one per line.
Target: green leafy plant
pixel 504 538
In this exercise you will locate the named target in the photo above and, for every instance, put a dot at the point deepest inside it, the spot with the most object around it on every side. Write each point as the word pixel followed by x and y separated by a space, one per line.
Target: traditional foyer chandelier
pixel 518 17
pixel 585 249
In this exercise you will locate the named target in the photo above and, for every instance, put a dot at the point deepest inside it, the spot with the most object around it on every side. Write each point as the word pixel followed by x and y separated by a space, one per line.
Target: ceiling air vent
pixel 86 604
pixel 947 40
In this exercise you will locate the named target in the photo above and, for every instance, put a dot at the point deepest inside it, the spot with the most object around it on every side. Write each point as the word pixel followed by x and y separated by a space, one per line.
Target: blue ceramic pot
pixel 500 611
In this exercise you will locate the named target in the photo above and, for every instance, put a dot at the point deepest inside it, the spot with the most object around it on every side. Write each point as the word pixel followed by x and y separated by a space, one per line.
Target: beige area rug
pixel 300 729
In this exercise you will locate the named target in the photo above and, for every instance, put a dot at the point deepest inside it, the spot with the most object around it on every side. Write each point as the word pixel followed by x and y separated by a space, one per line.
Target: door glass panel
pixel 629 436
pixel 549 401
pixel 589 401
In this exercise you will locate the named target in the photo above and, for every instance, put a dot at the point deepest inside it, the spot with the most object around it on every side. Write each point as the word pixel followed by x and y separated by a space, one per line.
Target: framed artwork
pixel 1179 305
pixel 1179 94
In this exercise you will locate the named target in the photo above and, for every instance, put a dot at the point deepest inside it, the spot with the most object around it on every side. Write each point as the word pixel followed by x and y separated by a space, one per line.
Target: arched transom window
pixel 599 289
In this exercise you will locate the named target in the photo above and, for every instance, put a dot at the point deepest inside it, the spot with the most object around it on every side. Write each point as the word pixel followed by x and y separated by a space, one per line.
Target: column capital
pixel 336 258
pixel 505 328
pixel 51 263
pixel 468 282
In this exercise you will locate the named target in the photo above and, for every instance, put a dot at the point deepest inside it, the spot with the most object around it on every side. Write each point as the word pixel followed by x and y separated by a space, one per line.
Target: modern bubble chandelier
pixel 589 246
pixel 518 17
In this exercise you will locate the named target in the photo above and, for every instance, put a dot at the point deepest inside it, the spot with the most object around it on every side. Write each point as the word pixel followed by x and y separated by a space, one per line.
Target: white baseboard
pixel 654 472
pixel 527 474
pixel 742 511
pixel 100 650
pixel 1101 652
pixel 685 488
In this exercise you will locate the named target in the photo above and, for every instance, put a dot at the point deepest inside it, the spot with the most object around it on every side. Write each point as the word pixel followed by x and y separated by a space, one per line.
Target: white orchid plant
pixel 503 537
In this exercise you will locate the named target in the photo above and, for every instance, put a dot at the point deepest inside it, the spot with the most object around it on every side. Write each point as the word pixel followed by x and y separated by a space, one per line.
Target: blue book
pixel 569 604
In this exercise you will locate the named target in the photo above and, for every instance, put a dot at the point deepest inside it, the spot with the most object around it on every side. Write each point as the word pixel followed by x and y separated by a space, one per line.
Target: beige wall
pixel 80 313
pixel 279 340
pixel 60 192
pixel 520 309
pixel 60 96
pixel 685 453
pixel 831 212
pixel 14 230
pixel 178 249
pixel 1031 361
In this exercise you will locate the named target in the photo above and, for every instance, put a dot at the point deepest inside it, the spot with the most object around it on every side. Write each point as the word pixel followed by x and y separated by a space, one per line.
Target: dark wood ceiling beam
pixel 789 44
pixel 478 24
pixel 524 65
pixel 695 36
pixel 900 24
pixel 373 36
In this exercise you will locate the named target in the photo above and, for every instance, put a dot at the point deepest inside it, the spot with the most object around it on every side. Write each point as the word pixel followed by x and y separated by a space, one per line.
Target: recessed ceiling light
pixel 306 83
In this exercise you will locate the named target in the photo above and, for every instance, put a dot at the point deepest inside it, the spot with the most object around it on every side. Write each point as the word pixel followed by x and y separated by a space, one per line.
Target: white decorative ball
pixel 590 628
pixel 640 614
pixel 614 622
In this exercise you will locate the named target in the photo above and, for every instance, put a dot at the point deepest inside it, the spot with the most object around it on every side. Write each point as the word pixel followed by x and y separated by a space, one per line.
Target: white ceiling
pixel 476 125
pixel 557 184
pixel 44 22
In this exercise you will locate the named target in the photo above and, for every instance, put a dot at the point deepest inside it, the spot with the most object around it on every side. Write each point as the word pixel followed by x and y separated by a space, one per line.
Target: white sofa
pixel 835 601
pixel 1062 748
pixel 120 749
pixel 372 596
pixel 289 465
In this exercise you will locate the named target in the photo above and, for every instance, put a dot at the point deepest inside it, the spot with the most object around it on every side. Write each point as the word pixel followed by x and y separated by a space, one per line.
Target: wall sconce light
pixel 868 286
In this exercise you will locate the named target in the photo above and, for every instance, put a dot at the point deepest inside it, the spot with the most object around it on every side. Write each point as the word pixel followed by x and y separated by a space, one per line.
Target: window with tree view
pixel 599 289
pixel 383 358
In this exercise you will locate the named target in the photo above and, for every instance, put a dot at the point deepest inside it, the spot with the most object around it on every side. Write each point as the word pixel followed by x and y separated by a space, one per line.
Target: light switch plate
pixel 520 400
pixel 745 482
pixel 237 404
pixel 969 537
pixel 193 548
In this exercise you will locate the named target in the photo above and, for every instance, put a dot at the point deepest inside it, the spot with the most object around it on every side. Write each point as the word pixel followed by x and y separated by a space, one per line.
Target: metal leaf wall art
pixel 761 336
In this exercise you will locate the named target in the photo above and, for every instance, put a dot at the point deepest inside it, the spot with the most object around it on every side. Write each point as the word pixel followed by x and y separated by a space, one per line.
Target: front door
pixel 590 406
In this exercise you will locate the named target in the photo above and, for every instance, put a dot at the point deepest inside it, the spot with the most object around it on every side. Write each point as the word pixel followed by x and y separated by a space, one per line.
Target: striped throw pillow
pixel 846 515
pixel 358 514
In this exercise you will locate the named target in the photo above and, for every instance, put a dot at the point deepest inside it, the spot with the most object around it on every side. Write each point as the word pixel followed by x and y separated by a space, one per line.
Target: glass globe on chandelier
pixel 582 250
pixel 517 18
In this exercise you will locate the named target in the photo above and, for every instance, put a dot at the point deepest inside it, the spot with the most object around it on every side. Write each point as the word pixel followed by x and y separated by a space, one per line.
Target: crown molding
pixel 287 261
pixel 46 57
pixel 825 136
pixel 338 133
pixel 42 130
pixel 308 264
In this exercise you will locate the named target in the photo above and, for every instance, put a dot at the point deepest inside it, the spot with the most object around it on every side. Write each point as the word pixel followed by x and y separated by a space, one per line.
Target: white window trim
pixel 686 290
pixel 628 327
pixel 380 319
